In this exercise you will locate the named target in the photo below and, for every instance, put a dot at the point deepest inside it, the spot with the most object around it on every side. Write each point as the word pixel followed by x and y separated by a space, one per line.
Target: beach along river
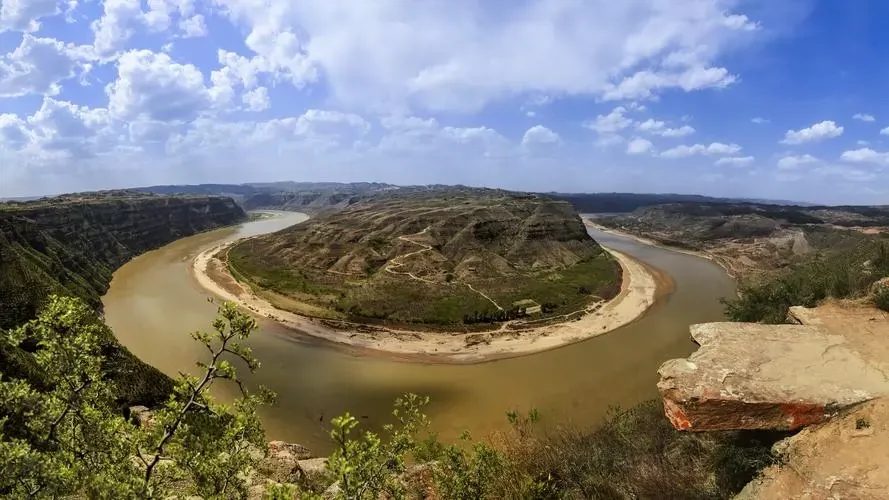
pixel 154 303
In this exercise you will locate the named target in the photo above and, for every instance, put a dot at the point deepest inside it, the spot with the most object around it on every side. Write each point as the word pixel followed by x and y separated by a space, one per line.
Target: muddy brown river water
pixel 154 303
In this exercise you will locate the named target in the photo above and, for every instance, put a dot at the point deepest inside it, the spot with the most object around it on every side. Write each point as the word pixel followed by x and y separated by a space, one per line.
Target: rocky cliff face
pixel 71 245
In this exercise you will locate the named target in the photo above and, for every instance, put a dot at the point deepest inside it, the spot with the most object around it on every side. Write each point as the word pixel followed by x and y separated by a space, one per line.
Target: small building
pixel 527 306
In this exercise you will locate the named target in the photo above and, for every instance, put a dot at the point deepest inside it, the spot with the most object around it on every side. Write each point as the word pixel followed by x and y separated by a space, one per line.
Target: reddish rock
pixel 780 377
pixel 842 458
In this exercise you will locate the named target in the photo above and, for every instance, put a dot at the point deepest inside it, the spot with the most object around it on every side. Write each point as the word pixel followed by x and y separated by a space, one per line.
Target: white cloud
pixel 36 67
pixel 645 84
pixel 13 134
pixel 153 86
pixel 718 148
pixel 612 122
pixel 256 99
pixel 660 128
pixel 735 160
pixel 863 117
pixel 24 15
pixel 865 155
pixel 116 25
pixel 794 161
pixel 639 146
pixel 530 114
pixel 74 130
pixel 193 26
pixel 861 142
pixel 714 149
pixel 319 122
pixel 885 131
pixel 437 55
pixel 817 132
pixel 759 120
pixel 538 134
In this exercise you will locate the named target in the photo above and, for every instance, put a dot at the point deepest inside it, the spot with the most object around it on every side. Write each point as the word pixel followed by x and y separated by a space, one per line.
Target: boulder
pixel 141 416
pixel 313 469
pixel 777 377
pixel 282 463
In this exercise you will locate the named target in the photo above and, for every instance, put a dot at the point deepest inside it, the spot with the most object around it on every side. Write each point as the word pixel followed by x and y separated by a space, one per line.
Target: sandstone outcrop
pixel 842 458
pixel 779 377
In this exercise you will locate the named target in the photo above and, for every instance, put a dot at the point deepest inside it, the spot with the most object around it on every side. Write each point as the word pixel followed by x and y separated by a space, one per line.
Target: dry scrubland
pixel 751 240
pixel 433 258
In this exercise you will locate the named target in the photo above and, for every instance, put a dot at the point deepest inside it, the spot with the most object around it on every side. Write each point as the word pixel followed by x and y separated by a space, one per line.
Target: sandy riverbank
pixel 641 287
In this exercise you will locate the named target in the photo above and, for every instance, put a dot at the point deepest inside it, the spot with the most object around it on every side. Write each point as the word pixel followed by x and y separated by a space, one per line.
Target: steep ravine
pixel 72 244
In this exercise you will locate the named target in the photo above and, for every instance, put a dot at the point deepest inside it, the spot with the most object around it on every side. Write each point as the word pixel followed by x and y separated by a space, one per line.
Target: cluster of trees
pixel 846 273
pixel 492 316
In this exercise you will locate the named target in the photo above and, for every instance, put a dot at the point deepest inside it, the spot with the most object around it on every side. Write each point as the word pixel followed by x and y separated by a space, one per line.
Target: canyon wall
pixel 71 245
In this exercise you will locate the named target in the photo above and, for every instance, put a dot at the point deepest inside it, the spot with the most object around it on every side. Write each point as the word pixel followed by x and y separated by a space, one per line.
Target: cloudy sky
pixel 765 98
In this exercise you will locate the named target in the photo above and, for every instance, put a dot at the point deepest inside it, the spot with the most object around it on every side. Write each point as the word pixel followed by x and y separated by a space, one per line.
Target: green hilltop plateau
pixel 434 257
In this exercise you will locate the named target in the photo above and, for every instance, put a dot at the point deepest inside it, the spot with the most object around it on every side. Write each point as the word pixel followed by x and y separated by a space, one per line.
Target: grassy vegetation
pixel 846 273
pixel 398 300
pixel 633 454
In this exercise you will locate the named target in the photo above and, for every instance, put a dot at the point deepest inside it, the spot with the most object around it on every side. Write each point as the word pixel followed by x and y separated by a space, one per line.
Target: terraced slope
pixel 432 256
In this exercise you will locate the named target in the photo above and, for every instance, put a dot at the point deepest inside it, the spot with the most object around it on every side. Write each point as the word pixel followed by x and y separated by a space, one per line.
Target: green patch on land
pixel 847 273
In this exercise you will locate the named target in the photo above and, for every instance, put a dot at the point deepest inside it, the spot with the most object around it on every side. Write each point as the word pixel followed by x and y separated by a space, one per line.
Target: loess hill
pixel 432 256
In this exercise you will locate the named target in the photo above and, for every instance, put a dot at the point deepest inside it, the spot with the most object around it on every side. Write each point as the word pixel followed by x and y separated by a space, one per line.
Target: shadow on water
pixel 153 304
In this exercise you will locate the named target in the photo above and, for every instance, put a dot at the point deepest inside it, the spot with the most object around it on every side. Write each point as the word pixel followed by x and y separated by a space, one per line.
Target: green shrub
pixel 634 454
pixel 68 438
pixel 846 273
pixel 881 299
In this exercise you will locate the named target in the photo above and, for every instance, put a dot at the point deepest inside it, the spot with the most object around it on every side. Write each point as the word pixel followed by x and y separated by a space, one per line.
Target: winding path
pixel 398 261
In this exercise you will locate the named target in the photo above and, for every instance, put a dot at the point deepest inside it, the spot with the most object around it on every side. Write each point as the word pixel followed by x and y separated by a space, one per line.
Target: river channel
pixel 154 303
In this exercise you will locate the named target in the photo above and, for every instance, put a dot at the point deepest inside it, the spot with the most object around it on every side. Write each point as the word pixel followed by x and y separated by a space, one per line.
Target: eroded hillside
pixel 749 238
pixel 433 256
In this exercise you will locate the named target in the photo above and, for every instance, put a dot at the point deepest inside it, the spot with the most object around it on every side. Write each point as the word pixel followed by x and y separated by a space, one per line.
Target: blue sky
pixel 761 98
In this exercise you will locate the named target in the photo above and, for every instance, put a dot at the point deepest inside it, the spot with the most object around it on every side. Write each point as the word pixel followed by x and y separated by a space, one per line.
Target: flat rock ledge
pixel 778 377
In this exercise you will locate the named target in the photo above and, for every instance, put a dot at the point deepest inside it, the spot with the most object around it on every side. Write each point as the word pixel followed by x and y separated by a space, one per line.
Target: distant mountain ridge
pixel 316 196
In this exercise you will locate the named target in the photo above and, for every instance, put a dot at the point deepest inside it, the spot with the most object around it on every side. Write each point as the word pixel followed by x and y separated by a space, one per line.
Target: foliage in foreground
pixel 634 454
pixel 71 439
pixel 842 274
